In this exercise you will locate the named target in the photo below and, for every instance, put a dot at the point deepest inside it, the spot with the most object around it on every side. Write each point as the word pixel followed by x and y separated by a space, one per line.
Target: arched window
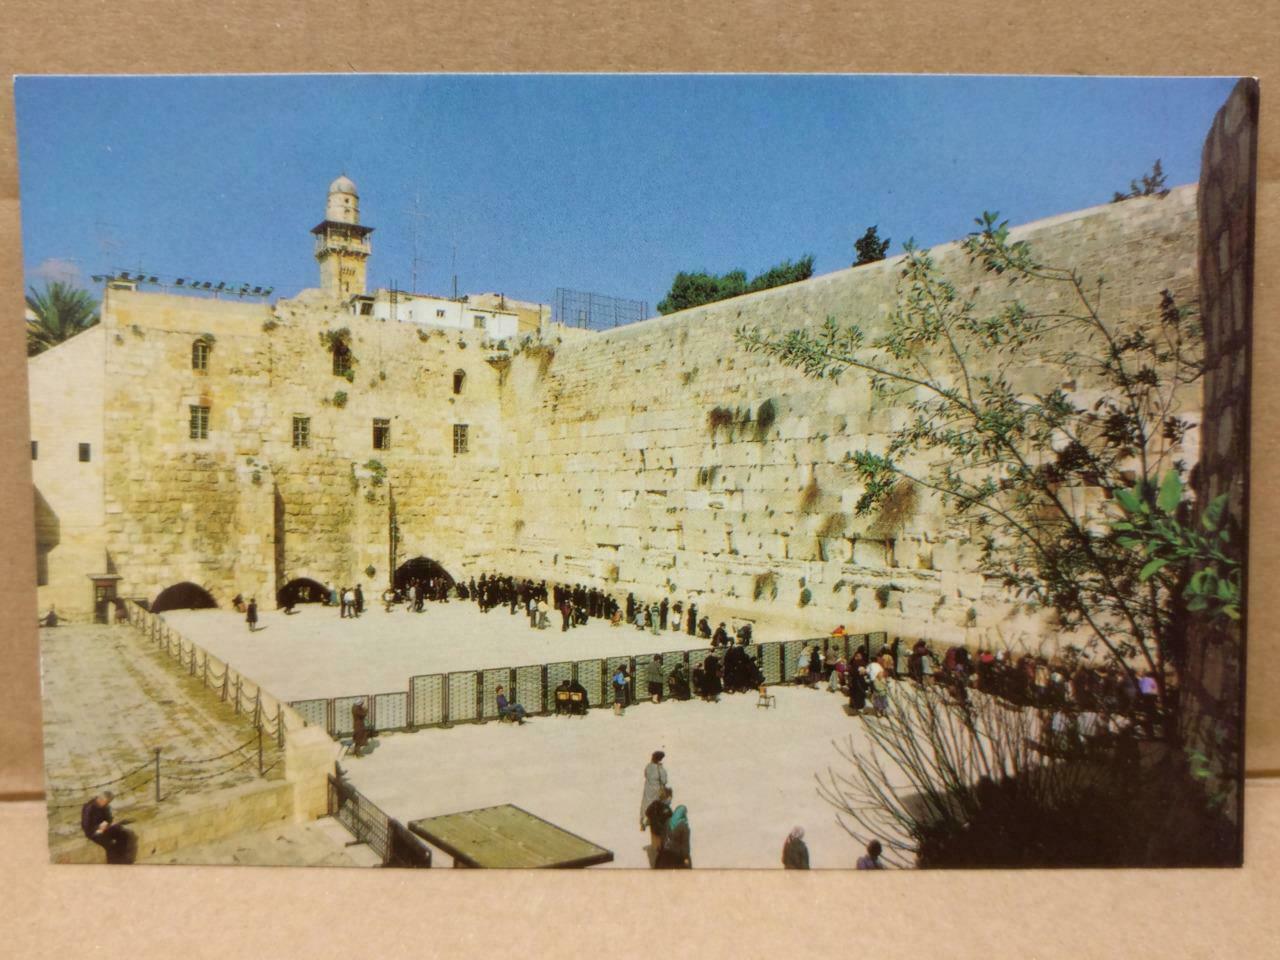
pixel 200 354
pixel 459 380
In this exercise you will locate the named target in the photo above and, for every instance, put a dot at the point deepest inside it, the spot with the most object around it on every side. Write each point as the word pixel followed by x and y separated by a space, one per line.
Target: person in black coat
pixel 98 826
pixel 711 678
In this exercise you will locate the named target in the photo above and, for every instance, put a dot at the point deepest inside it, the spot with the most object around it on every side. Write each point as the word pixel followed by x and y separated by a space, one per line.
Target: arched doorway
pixel 301 590
pixel 419 568
pixel 183 596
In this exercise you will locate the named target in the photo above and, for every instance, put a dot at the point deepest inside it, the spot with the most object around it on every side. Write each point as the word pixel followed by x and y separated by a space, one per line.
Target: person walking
pixel 655 781
pixel 675 853
pixel 251 614
pixel 795 854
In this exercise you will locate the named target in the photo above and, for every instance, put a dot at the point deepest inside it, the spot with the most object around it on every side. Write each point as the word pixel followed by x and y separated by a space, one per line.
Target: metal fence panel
pixel 462 696
pixel 315 712
pixel 342 721
pixel 529 687
pixel 790 658
pixel 556 672
pixel 770 661
pixel 491 680
pixel 428 699
pixel 589 675
pixel 366 822
pixel 391 711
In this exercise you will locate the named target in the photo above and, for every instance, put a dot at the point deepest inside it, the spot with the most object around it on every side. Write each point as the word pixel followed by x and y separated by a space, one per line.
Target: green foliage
pixel 869 247
pixel 339 399
pixel 1151 185
pixel 1175 552
pixel 695 289
pixel 377 471
pixel 269 324
pixel 1005 460
pixel 336 339
pixel 60 311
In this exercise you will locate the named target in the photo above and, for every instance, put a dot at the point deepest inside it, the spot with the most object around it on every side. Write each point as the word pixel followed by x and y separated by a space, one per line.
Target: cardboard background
pixel 197 912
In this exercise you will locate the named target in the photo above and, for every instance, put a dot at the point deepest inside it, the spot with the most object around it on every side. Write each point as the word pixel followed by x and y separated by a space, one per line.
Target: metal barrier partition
pixel 388 838
pixel 391 711
pixel 462 688
pixel 790 659
pixel 590 674
pixel 528 688
pixel 314 712
pixel 428 699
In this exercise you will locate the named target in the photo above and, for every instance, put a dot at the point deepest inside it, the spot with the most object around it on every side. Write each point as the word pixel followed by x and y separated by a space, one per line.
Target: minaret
pixel 342 245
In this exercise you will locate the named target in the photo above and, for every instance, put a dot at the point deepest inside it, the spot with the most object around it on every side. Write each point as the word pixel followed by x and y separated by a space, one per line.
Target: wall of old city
pixel 243 510
pixel 619 471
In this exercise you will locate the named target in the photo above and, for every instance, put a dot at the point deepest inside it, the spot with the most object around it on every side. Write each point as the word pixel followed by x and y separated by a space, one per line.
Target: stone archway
pixel 302 590
pixel 420 568
pixel 183 596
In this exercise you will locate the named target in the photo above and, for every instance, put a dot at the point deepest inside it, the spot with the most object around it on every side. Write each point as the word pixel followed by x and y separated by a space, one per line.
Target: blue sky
pixel 603 183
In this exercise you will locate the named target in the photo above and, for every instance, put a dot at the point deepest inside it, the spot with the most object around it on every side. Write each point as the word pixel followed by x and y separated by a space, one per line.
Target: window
pixel 301 432
pixel 200 355
pixel 381 434
pixel 459 438
pixel 479 321
pixel 440 312
pixel 84 453
pixel 341 360
pixel 199 422
pixel 459 380
pixel 35 450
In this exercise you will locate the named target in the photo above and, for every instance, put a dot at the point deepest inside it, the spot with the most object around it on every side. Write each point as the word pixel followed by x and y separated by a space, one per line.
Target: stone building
pixel 240 446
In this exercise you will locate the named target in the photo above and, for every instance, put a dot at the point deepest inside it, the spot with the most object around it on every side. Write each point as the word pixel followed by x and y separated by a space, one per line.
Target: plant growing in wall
pixel 339 399
pixel 1151 185
pixel 377 472
pixel 869 247
pixel 1002 459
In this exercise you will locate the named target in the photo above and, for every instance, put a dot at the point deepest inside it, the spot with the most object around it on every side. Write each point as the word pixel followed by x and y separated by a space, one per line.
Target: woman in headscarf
pixel 675 853
pixel 858 682
pixel 795 854
pixel 655 779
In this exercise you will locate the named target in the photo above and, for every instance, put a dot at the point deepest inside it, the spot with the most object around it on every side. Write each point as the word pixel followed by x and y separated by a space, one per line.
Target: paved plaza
pixel 110 699
pixel 316 653
pixel 745 773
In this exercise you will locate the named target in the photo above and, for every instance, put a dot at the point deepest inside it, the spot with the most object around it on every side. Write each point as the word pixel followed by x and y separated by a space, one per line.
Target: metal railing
pixel 385 836
pixel 469 696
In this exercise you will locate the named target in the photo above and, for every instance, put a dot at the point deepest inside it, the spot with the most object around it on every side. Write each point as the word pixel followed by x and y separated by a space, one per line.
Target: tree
pixel 1151 185
pixel 60 312
pixel 695 289
pixel 869 247
pixel 1026 476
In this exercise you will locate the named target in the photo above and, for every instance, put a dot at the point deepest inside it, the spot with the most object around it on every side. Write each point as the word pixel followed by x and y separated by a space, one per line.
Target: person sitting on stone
pixel 678 682
pixel 508 709
pixel 97 824
pixel 50 619
pixel 721 636
pixel 704 628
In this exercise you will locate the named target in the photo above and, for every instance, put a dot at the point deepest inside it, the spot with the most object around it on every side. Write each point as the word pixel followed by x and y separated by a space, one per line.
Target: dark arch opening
pixel 419 568
pixel 183 596
pixel 301 590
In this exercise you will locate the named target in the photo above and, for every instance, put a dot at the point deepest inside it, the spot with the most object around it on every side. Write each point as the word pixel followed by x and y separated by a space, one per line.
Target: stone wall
pixel 1214 688
pixel 243 511
pixel 658 457
pixel 662 457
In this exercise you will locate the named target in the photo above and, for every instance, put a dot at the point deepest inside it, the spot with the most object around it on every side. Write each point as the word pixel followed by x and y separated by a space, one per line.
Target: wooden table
pixel 507 837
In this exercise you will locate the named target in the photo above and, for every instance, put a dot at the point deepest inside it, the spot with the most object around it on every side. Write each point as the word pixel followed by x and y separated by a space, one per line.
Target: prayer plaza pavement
pixel 747 774
pixel 316 653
